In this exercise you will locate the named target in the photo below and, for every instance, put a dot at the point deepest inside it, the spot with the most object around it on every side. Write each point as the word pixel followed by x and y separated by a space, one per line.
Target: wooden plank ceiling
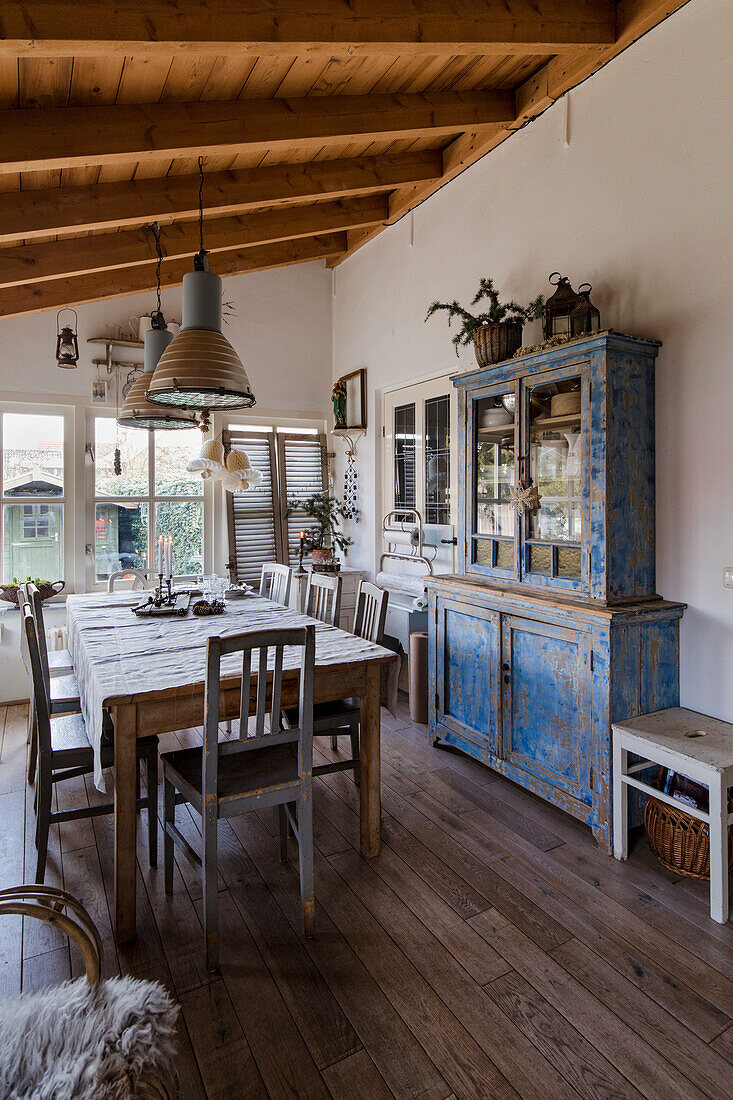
pixel 319 124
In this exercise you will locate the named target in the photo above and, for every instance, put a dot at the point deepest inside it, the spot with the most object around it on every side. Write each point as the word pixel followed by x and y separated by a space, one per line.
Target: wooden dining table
pixel 149 675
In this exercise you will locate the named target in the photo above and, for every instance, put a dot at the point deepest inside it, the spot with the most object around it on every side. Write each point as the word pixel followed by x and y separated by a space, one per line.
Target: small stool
pixel 697 747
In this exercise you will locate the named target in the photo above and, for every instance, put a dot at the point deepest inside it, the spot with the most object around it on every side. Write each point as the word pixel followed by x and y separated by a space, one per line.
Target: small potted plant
pixel 497 332
pixel 325 535
pixel 9 592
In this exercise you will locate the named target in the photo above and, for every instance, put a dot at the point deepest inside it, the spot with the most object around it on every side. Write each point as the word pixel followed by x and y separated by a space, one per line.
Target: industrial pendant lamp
pixel 200 369
pixel 137 411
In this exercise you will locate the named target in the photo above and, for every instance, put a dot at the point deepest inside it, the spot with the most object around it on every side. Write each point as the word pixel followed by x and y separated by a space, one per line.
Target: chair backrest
pixel 263 641
pixel 39 685
pixel 139 578
pixel 36 605
pixel 371 611
pixel 275 582
pixel 323 597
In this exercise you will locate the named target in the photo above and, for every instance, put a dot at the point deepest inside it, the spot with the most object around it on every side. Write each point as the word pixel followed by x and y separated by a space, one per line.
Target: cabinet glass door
pixel 495 477
pixel 552 551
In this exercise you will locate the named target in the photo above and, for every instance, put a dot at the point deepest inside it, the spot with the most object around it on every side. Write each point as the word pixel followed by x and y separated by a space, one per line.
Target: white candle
pixel 160 554
pixel 168 556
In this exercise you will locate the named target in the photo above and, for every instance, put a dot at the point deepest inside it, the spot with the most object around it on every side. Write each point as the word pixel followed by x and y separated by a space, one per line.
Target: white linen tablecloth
pixel 117 653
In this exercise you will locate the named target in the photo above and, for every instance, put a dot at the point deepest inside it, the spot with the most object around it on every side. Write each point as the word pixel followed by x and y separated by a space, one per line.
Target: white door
pixel 420 460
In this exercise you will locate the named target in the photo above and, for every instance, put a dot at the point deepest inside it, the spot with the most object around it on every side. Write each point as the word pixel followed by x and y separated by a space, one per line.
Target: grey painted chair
pixel 342 717
pixel 271 767
pixel 62 689
pixel 275 582
pixel 139 579
pixel 64 752
pixel 323 597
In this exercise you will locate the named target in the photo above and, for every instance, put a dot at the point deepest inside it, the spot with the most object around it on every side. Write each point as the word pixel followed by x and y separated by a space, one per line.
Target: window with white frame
pixel 152 495
pixel 34 493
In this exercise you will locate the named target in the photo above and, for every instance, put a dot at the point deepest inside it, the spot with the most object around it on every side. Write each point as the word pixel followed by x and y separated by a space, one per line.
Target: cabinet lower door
pixel 546 713
pixel 467 654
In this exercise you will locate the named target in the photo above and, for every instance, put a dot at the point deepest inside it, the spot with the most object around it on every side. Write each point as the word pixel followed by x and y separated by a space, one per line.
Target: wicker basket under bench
pixel 695 746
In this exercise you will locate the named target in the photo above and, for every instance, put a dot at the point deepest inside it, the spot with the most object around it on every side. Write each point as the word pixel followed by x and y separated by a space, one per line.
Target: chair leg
pixel 152 784
pixel 211 890
pixel 169 817
pixel 334 742
pixel 355 755
pixel 43 794
pixel 282 832
pixel 305 853
pixel 32 745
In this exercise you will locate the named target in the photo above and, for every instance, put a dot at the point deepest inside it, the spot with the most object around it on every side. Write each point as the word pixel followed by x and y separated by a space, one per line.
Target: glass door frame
pixel 473 396
pixel 581 584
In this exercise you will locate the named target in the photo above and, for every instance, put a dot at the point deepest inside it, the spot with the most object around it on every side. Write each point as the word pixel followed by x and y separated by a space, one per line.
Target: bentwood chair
pixel 139 579
pixel 342 717
pixel 323 597
pixel 61 686
pixel 64 752
pixel 275 582
pixel 269 767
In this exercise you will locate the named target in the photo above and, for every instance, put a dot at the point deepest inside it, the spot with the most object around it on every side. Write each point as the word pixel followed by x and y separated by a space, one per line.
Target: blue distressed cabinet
pixel 553 629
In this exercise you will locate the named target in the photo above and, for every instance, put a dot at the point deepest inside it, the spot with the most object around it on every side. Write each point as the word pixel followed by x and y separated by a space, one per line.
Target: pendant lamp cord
pixel 201 204
pixel 159 251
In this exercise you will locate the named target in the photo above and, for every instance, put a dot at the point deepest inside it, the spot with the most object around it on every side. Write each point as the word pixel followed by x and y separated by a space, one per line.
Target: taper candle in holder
pixel 300 570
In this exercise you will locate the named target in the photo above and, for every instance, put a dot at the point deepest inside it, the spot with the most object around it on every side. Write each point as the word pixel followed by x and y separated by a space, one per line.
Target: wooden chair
pixel 262 769
pixel 275 582
pixel 342 717
pixel 139 579
pixel 323 597
pixel 64 752
pixel 62 689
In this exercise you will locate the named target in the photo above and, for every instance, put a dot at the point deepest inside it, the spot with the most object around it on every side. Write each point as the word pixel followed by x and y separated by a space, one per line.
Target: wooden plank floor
pixel 490 951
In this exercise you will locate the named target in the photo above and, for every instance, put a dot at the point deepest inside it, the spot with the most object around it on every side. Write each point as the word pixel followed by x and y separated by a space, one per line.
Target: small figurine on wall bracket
pixel 338 398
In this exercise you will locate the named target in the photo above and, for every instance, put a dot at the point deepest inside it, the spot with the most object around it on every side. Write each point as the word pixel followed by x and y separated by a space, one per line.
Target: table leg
pixel 718 828
pixel 369 751
pixel 620 800
pixel 125 723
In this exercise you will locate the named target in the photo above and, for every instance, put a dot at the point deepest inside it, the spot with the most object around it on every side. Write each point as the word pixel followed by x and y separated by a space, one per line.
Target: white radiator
pixel 56 638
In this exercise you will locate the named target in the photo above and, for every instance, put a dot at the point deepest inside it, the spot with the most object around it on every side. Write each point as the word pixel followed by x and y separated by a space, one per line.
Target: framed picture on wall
pixel 350 401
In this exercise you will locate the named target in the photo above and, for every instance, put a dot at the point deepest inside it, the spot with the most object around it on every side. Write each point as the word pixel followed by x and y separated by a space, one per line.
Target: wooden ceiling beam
pixel 43 138
pixel 30 263
pixel 28 214
pixel 37 297
pixel 553 80
pixel 407 28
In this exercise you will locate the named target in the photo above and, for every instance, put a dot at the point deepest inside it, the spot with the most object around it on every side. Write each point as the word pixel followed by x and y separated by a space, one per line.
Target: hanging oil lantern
pixel 557 309
pixel 67 341
pixel 585 317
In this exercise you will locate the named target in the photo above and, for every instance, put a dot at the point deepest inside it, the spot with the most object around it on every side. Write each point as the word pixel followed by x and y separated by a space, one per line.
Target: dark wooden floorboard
pixel 490 950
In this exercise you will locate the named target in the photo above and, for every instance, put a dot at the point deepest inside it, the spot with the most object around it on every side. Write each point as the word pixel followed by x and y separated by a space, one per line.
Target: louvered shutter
pixel 303 470
pixel 254 517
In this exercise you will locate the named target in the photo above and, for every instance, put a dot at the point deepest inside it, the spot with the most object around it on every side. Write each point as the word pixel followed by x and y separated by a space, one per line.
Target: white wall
pixel 638 204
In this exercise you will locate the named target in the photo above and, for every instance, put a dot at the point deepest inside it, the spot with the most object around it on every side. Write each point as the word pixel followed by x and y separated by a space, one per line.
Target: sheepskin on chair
pixel 78 1041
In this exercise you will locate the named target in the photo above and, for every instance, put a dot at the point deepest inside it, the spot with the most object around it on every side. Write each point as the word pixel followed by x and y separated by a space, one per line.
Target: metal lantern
pixel 200 369
pixel 585 317
pixel 67 341
pixel 557 309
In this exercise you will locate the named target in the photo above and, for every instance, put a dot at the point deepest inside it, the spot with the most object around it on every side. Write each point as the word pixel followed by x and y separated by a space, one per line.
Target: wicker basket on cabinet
pixel 497 342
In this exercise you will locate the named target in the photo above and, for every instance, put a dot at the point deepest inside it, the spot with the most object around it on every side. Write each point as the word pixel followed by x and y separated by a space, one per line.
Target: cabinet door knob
pixel 507 679
pixel 505 667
